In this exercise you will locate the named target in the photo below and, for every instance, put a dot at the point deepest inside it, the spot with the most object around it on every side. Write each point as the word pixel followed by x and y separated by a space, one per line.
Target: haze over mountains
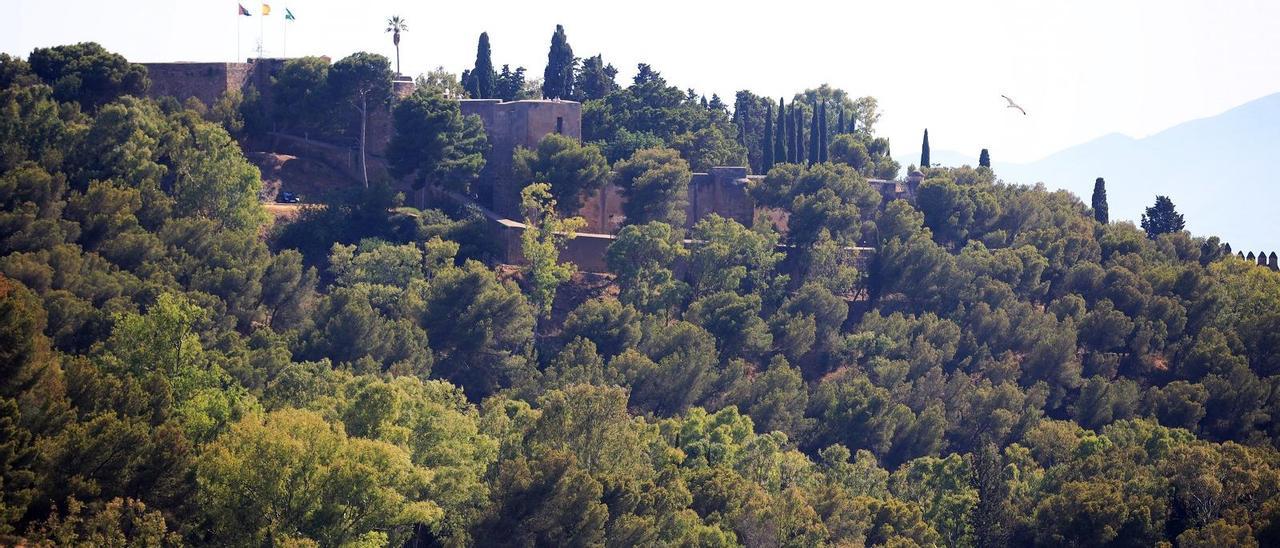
pixel 1219 171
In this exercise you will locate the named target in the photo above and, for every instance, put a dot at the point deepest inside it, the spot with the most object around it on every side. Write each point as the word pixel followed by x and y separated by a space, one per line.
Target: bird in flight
pixel 1014 105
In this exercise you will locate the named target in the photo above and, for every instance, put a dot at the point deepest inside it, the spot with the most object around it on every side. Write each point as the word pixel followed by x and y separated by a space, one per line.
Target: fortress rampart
pixel 1262 258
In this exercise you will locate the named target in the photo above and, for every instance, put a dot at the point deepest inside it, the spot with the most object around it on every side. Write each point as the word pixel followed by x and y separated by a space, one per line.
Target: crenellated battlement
pixel 1262 259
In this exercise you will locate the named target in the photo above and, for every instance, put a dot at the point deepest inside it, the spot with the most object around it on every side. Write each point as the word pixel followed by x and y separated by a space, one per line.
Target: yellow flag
pixel 266 9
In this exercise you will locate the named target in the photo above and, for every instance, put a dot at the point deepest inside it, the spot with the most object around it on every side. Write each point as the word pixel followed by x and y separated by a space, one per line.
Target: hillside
pixel 999 369
pixel 1217 170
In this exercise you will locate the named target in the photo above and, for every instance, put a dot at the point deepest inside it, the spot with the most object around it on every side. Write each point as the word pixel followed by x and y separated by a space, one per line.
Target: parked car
pixel 288 198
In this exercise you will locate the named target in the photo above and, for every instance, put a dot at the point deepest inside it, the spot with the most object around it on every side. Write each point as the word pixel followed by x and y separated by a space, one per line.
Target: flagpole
pixel 262 44
pixel 284 35
pixel 238 16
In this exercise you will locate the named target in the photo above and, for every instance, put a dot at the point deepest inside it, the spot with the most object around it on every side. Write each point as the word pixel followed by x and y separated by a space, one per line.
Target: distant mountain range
pixel 1219 172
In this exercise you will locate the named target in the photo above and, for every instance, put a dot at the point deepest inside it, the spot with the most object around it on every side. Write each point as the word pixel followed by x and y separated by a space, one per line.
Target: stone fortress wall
pixel 513 124
pixel 508 125
pixel 208 82
pixel 1262 258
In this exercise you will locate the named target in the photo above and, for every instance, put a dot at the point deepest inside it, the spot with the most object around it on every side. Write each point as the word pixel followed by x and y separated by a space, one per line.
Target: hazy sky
pixel 1082 69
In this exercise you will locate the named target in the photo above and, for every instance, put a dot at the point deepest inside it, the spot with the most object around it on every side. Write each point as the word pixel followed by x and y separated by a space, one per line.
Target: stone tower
pixel 516 124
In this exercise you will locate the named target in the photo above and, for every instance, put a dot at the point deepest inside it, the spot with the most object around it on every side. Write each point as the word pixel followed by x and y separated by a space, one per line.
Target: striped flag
pixel 243 11
pixel 288 15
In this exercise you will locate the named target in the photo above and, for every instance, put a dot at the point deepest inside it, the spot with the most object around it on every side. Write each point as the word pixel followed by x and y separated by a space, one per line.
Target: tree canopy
pixel 981 364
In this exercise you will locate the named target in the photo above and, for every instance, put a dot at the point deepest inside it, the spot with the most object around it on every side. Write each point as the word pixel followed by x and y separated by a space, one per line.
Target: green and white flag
pixel 288 15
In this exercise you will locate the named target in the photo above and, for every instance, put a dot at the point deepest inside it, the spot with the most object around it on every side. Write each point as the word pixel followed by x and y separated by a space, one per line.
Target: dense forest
pixel 1008 368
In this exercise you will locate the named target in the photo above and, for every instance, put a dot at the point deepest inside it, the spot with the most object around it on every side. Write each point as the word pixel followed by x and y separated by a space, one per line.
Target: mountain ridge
pixel 1213 168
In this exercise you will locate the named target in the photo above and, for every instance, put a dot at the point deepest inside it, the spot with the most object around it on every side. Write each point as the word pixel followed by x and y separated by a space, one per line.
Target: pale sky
pixel 1082 69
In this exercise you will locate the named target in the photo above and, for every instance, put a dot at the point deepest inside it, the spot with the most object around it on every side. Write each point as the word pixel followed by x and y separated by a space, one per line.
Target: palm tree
pixel 396 24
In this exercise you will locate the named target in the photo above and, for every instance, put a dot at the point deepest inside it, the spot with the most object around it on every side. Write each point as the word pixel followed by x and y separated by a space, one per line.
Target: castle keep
pixel 516 124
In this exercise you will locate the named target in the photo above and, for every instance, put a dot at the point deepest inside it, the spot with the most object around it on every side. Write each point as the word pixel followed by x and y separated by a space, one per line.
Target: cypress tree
pixel 815 138
pixel 822 130
pixel 1100 210
pixel 766 144
pixel 791 135
pixel 779 139
pixel 482 74
pixel 557 79
pixel 924 151
pixel 840 124
pixel 799 126
pixel 984 159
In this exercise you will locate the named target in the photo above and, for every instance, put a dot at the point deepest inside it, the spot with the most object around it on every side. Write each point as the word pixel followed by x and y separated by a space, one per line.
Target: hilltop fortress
pixel 722 190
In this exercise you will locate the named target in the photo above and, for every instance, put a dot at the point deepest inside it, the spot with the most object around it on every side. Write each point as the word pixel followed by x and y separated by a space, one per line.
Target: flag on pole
pixel 288 15
pixel 266 9
pixel 243 11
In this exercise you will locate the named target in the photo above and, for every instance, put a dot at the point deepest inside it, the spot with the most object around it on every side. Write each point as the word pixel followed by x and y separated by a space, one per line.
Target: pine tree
pixel 984 159
pixel 481 77
pixel 1162 218
pixel 822 131
pixel 779 138
pixel 766 145
pixel 924 151
pixel 557 80
pixel 815 138
pixel 595 80
pixel 1100 210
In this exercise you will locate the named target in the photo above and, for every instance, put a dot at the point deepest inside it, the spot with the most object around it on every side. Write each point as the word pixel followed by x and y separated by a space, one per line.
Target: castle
pixel 208 82
pixel 722 191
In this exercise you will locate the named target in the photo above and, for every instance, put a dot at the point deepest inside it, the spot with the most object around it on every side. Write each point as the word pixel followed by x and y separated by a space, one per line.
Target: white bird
pixel 1014 105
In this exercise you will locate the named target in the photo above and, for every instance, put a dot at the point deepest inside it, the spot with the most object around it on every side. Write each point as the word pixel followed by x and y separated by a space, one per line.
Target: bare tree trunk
pixel 364 122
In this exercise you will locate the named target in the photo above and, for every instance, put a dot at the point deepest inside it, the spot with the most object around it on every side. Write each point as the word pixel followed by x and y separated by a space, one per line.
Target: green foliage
pixel 1162 218
pixel 655 184
pixel 730 257
pixel 594 80
pixel 480 81
pixel 303 101
pixel 290 475
pixel 573 170
pixel 651 113
pixel 710 147
pixel 820 197
pixel 642 257
pixel 1099 200
pixel 119 522
pixel 485 329
pixel 557 79
pixel 88 74
pixel 1004 370
pixel 924 151
pixel 540 244
pixel 435 144
pixel 363 81
pixel 611 326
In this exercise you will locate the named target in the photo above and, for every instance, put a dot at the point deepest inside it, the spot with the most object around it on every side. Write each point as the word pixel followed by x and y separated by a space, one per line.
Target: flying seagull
pixel 1013 105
